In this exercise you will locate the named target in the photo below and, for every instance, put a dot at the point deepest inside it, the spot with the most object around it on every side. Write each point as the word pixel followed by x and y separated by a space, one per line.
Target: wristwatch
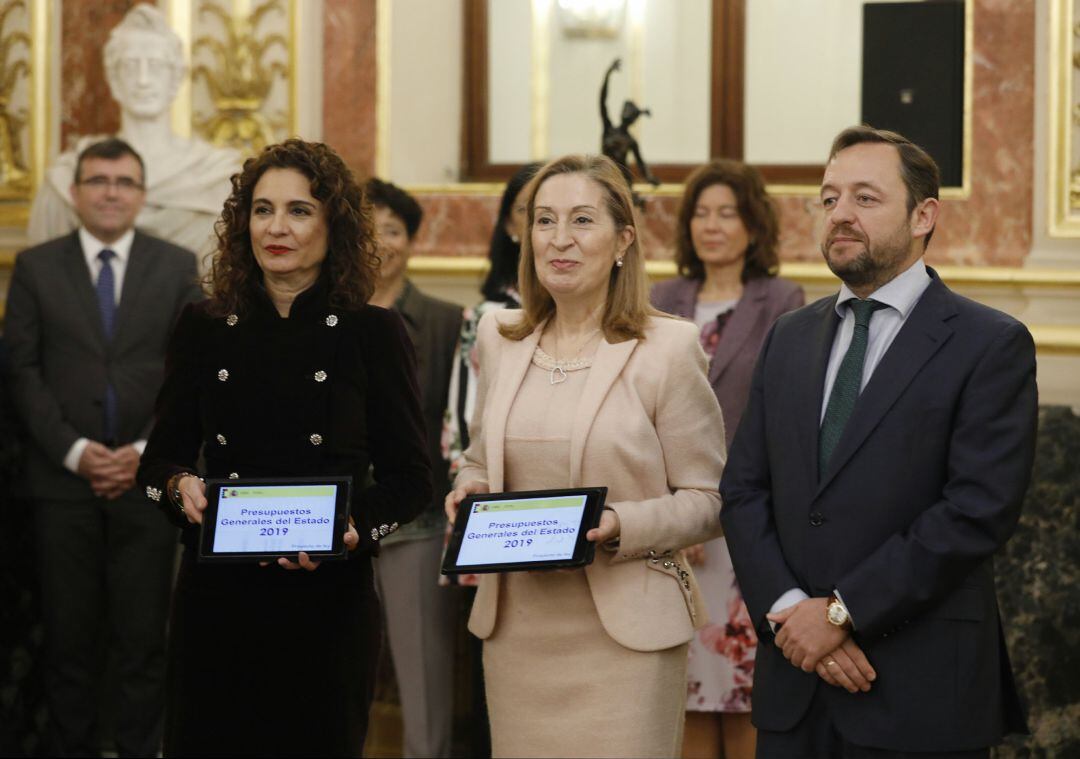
pixel 173 487
pixel 837 614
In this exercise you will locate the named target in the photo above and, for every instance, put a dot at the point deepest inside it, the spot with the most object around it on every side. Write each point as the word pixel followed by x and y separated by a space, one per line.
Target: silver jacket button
pixel 222 375
pixel 331 320
pixel 221 439
pixel 316 439
pixel 320 376
pixel 374 534
pixel 232 319
pixel 394 526
pixel 153 493
pixel 234 476
pixel 383 530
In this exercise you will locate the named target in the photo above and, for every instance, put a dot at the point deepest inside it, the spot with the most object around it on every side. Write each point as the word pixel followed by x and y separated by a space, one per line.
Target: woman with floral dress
pixel 726 251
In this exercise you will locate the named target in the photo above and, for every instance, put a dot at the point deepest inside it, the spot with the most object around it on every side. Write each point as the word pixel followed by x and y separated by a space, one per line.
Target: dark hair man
pixel 880 464
pixel 88 315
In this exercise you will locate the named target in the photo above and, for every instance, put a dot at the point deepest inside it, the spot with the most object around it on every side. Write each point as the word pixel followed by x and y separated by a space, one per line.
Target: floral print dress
pixel 721 667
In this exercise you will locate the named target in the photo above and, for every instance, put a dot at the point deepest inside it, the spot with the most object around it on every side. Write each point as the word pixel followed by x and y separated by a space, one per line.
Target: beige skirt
pixel 558 685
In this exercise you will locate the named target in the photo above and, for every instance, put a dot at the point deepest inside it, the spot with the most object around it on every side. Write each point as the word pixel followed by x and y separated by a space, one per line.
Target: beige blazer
pixel 649 429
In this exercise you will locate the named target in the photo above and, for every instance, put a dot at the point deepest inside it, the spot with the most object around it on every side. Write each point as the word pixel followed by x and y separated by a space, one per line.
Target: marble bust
pixel 187 180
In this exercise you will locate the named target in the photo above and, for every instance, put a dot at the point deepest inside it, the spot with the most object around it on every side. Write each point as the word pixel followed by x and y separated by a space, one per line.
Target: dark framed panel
pixel 726 112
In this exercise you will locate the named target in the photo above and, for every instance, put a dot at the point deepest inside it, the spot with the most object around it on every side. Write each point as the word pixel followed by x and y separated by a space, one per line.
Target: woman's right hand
pixel 459 494
pixel 193 492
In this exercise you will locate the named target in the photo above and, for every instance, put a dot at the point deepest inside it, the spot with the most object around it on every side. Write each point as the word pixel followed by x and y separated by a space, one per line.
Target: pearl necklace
pixel 558 372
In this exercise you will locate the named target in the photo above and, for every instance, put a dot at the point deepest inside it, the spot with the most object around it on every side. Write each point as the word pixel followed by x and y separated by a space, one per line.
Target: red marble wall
pixel 86 106
pixel 456 224
pixel 992 227
pixel 349 79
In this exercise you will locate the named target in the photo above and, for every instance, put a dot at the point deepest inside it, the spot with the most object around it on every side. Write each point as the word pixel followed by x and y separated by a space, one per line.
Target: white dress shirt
pixel 900 294
pixel 91 247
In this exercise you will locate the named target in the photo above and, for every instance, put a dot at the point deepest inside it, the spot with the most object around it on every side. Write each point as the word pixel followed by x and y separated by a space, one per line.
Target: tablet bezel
pixel 584 550
pixel 209 522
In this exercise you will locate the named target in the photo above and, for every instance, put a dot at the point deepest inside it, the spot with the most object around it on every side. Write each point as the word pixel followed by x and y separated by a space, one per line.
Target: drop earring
pixel 515 239
pixel 618 262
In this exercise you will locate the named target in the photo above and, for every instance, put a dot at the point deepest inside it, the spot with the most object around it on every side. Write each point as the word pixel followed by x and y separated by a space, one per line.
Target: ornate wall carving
pixel 23 70
pixel 243 71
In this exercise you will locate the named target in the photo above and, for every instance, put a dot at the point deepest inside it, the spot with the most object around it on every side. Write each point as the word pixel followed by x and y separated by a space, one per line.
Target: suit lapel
pixel 686 298
pixel 606 367
pixel 818 340
pixel 135 274
pixel 516 358
pixel 922 336
pixel 82 283
pixel 738 328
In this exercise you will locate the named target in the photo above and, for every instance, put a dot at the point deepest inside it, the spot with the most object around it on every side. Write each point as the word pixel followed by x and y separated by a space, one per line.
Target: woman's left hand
pixel 352 539
pixel 608 529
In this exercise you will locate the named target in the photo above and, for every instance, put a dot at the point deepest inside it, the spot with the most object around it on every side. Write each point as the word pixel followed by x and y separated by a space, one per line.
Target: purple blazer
pixel 764 299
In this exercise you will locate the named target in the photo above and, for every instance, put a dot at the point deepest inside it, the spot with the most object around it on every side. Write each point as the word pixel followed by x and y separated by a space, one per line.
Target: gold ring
pixel 830 662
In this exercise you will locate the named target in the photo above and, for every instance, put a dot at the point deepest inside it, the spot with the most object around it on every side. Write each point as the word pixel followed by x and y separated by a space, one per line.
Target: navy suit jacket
pixel 923 488
pixel 60 361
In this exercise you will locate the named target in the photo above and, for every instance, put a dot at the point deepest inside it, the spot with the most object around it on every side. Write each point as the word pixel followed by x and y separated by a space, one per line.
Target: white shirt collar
pixel 901 292
pixel 91 246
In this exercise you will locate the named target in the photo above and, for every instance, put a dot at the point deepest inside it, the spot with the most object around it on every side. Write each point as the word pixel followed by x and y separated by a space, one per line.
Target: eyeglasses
pixel 123 184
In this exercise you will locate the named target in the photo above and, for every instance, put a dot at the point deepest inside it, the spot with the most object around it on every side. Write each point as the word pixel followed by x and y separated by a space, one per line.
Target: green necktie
pixel 846 386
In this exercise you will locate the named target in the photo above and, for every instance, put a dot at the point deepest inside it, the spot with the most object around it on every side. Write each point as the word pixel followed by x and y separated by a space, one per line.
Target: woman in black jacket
pixel 284 372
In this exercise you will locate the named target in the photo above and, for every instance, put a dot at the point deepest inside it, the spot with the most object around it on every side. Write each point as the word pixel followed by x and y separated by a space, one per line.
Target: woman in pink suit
pixel 589 385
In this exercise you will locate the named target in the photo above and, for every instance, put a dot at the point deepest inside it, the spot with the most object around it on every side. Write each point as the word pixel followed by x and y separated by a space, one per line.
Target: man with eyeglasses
pixel 88 317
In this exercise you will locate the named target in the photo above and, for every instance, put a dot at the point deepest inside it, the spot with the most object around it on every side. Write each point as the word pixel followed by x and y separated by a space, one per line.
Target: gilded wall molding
pixel 25 67
pixel 1064 169
pixel 805 273
pixel 242 90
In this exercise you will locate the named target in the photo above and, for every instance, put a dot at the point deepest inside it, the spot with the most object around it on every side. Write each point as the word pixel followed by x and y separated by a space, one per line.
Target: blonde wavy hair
pixel 626 309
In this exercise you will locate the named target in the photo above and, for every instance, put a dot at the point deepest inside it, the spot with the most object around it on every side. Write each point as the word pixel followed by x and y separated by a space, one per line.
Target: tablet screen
pixel 260 519
pixel 524 530
pixel 532 529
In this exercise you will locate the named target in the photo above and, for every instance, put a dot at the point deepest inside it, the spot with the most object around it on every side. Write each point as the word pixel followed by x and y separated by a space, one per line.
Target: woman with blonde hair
pixel 588 385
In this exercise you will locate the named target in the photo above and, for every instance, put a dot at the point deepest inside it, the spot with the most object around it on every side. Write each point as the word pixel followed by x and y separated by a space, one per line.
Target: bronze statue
pixel 618 141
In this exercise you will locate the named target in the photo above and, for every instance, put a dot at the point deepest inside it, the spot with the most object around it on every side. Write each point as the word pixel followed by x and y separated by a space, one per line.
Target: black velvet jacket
pixel 323 392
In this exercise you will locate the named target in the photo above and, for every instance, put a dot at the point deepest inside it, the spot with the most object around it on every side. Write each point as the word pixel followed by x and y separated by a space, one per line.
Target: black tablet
pixel 264 519
pixel 540 529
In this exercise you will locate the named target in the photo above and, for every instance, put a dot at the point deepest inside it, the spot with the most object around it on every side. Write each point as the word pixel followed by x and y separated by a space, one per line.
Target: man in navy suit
pixel 88 318
pixel 880 464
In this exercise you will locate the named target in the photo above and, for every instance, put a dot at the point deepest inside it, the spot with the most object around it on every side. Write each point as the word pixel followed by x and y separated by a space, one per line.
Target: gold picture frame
pixel 1063 176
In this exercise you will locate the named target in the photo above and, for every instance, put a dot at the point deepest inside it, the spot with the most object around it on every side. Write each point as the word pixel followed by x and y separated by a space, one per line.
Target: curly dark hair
pixel 756 209
pixel 351 261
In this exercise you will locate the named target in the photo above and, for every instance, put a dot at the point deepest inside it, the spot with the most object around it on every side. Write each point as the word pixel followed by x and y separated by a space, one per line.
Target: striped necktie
pixel 848 382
